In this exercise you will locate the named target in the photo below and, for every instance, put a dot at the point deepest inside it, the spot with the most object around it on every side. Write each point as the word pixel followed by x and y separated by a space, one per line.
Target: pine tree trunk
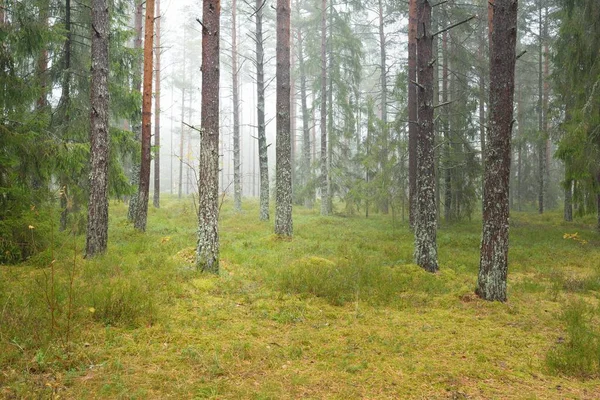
pixel 541 133
pixel 521 133
pixel 446 129
pixel 156 200
pixel 283 175
pixel 482 121
pixel 208 213
pixel 426 223
pixel 65 103
pixel 412 113
pixel 97 226
pixel 141 215
pixel 237 182
pixel 493 265
pixel 383 162
pixel 305 170
pixel 137 86
pixel 263 159
pixel 324 174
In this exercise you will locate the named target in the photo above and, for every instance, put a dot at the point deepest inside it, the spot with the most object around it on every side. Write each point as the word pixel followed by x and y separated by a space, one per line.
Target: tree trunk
pixel 446 129
pixel 305 170
pixel 426 224
pixel 283 175
pixel 237 182
pixel 568 212
pixel 521 133
pixel 493 265
pixel 293 111
pixel 156 200
pixel 383 162
pixel 412 113
pixel 262 138
pixel 141 215
pixel 208 213
pixel 541 133
pixel 324 174
pixel 137 86
pixel 42 62
pixel 482 122
pixel 97 226
pixel 65 103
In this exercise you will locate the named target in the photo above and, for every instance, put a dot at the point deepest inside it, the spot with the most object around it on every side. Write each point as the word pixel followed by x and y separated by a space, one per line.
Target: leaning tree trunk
pixel 493 264
pixel 208 213
pixel 141 215
pixel 324 174
pixel 97 226
pixel 283 175
pixel 237 183
pixel 412 112
pixel 156 199
pixel 263 159
pixel 137 86
pixel 426 221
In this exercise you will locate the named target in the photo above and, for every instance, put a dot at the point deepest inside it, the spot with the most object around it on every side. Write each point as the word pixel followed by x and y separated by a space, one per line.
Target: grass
pixel 338 312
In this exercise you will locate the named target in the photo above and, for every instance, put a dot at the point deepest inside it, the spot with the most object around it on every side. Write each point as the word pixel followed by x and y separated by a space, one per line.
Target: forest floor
pixel 339 312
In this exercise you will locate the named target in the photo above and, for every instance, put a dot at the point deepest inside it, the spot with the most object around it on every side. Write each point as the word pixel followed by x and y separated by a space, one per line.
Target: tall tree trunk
pixel 547 149
pixel 521 135
pixel 482 121
pixel 324 174
pixel 305 174
pixel 141 215
pixel 332 140
pixel 208 213
pixel 156 200
pixel 426 223
pixel 181 139
pixel 412 112
pixel 541 133
pixel 97 226
pixel 237 182
pixel 493 264
pixel 446 129
pixel 283 175
pixel 293 111
pixel 137 86
pixel 65 103
pixel 260 109
pixel 383 162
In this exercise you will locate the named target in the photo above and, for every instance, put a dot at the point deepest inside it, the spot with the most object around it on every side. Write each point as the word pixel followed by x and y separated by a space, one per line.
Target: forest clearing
pixel 339 312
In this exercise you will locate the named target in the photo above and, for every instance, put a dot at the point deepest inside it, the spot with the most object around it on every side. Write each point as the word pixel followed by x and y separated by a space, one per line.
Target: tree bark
pixel 137 86
pixel 156 200
pixel 208 213
pixel 97 226
pixel 141 215
pixel 260 109
pixel 324 173
pixel 426 223
pixel 283 175
pixel 493 265
pixel 237 182
pixel 412 112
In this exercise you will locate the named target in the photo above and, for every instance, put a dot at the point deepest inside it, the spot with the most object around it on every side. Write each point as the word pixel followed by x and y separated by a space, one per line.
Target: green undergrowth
pixel 340 311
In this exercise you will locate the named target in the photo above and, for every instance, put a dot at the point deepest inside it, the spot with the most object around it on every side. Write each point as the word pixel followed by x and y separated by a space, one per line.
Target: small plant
pixel 578 354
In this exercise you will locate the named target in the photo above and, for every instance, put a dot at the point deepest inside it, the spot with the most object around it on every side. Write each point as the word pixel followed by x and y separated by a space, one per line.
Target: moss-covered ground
pixel 339 312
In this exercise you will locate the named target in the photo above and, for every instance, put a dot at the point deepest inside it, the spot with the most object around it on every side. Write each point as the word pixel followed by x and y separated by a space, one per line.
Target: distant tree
pixel 412 111
pixel 141 216
pixel 237 182
pixel 156 199
pixel 97 227
pixel 283 204
pixel 208 213
pixel 493 263
pixel 325 203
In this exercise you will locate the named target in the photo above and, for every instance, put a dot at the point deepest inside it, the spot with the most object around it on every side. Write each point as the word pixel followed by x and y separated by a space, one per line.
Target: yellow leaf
pixel 92 310
pixel 31 227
